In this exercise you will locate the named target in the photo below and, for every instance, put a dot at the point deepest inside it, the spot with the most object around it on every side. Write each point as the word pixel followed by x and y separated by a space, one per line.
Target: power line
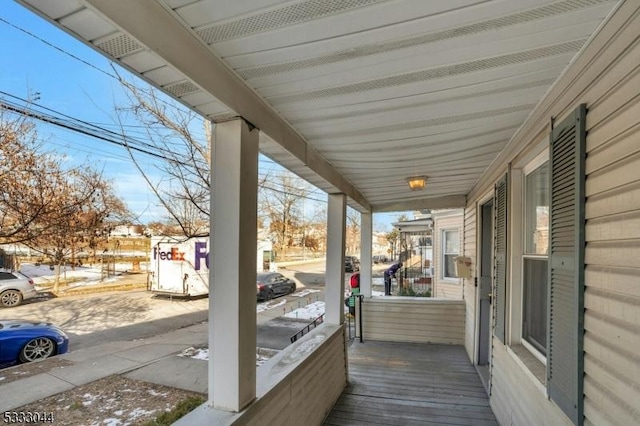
pixel 56 47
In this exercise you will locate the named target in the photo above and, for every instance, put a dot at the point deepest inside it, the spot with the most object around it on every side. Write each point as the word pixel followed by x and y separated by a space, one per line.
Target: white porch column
pixel 366 248
pixel 334 276
pixel 232 279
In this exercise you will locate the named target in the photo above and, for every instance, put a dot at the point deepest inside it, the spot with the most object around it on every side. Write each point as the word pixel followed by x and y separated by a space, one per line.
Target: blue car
pixel 27 341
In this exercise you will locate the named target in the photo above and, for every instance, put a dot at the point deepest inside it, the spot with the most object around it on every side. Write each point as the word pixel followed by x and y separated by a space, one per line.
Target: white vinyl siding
pixel 417 320
pixel 606 77
pixel 450 288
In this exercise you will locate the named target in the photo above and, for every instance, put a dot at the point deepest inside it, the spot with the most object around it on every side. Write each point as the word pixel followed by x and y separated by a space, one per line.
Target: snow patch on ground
pixel 195 353
pixel 310 312
pixel 88 399
pixel 109 422
pixel 139 412
pixel 305 292
pixel 203 355
pixel 261 307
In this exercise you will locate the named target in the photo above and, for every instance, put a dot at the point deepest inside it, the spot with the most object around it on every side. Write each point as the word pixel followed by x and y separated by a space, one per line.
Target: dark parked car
pixel 351 264
pixel 14 288
pixel 272 284
pixel 27 341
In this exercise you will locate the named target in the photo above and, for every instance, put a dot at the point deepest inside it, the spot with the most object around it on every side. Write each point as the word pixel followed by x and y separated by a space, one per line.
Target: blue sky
pixel 41 62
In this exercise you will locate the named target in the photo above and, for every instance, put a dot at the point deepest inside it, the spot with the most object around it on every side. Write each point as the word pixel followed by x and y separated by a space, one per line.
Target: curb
pixel 299 262
pixel 76 291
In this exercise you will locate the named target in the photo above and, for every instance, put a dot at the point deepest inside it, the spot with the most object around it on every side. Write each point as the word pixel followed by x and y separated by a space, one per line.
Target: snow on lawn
pixel 81 276
pixel 310 312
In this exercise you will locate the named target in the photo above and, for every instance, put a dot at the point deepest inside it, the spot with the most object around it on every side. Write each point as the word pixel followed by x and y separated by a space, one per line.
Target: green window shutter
pixel 565 355
pixel 500 257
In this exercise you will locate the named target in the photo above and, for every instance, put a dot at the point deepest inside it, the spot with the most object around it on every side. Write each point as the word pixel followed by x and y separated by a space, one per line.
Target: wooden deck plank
pixel 414 410
pixel 411 384
pixel 364 400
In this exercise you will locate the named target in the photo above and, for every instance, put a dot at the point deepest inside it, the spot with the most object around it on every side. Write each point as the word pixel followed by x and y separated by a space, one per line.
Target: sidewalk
pixel 151 360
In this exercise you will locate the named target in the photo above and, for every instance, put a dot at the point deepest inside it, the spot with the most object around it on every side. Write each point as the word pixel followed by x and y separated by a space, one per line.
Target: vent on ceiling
pixel 182 88
pixel 119 46
pixel 462 31
pixel 439 72
pixel 278 18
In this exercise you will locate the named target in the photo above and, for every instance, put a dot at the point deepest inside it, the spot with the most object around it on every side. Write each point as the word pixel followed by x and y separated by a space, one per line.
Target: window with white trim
pixel 535 257
pixel 450 250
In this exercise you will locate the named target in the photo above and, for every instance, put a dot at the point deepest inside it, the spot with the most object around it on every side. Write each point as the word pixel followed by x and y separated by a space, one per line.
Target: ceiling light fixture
pixel 417 183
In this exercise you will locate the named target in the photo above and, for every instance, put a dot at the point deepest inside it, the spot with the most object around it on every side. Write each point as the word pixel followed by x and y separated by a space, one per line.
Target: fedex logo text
pixel 201 253
pixel 173 254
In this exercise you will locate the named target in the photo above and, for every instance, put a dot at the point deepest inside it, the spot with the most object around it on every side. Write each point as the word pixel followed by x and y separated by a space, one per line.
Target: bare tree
pixel 48 207
pixel 86 207
pixel 182 157
pixel 281 203
pixel 353 230
pixel 28 180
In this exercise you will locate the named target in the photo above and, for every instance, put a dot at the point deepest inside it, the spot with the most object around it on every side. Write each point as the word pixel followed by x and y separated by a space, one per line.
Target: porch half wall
pixel 413 320
pixel 298 386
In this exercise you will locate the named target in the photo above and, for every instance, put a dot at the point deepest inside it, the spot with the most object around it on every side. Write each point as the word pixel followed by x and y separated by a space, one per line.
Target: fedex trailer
pixel 180 266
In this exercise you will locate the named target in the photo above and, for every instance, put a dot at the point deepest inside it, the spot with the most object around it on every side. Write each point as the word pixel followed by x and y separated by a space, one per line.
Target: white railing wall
pixel 413 319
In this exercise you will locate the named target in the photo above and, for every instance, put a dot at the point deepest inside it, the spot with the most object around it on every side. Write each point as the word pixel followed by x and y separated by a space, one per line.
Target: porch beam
pixel 334 276
pixel 232 278
pixel 434 203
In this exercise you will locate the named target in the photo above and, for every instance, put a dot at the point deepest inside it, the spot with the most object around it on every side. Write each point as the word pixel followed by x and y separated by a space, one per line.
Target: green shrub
pixel 181 409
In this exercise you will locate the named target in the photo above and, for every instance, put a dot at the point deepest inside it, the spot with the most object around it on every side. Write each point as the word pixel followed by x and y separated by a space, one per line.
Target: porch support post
pixel 366 248
pixel 334 277
pixel 232 278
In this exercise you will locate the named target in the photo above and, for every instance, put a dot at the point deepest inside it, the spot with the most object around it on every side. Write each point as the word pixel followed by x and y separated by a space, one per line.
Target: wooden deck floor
pixel 411 384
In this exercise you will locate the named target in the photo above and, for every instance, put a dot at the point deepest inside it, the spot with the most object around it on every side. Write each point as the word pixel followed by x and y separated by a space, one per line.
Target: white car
pixel 14 288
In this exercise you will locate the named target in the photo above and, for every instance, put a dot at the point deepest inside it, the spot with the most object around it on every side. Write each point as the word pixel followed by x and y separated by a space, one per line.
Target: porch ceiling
pixel 352 95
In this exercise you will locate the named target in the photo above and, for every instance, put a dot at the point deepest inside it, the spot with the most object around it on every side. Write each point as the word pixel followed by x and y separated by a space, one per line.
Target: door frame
pixel 488 197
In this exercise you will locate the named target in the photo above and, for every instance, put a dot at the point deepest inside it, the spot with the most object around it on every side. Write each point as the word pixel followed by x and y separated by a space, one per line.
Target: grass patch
pixel 181 409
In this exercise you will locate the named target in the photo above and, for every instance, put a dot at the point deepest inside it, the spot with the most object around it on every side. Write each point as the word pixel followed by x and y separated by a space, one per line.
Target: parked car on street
pixel 351 264
pixel 272 284
pixel 28 341
pixel 14 288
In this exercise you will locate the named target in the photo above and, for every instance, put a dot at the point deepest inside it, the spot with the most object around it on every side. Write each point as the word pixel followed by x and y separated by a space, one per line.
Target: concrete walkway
pixel 153 360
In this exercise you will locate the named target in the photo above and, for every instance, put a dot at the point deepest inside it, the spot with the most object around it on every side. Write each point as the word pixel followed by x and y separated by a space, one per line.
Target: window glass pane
pixel 537 211
pixel 450 249
pixel 534 325
pixel 449 266
pixel 451 241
